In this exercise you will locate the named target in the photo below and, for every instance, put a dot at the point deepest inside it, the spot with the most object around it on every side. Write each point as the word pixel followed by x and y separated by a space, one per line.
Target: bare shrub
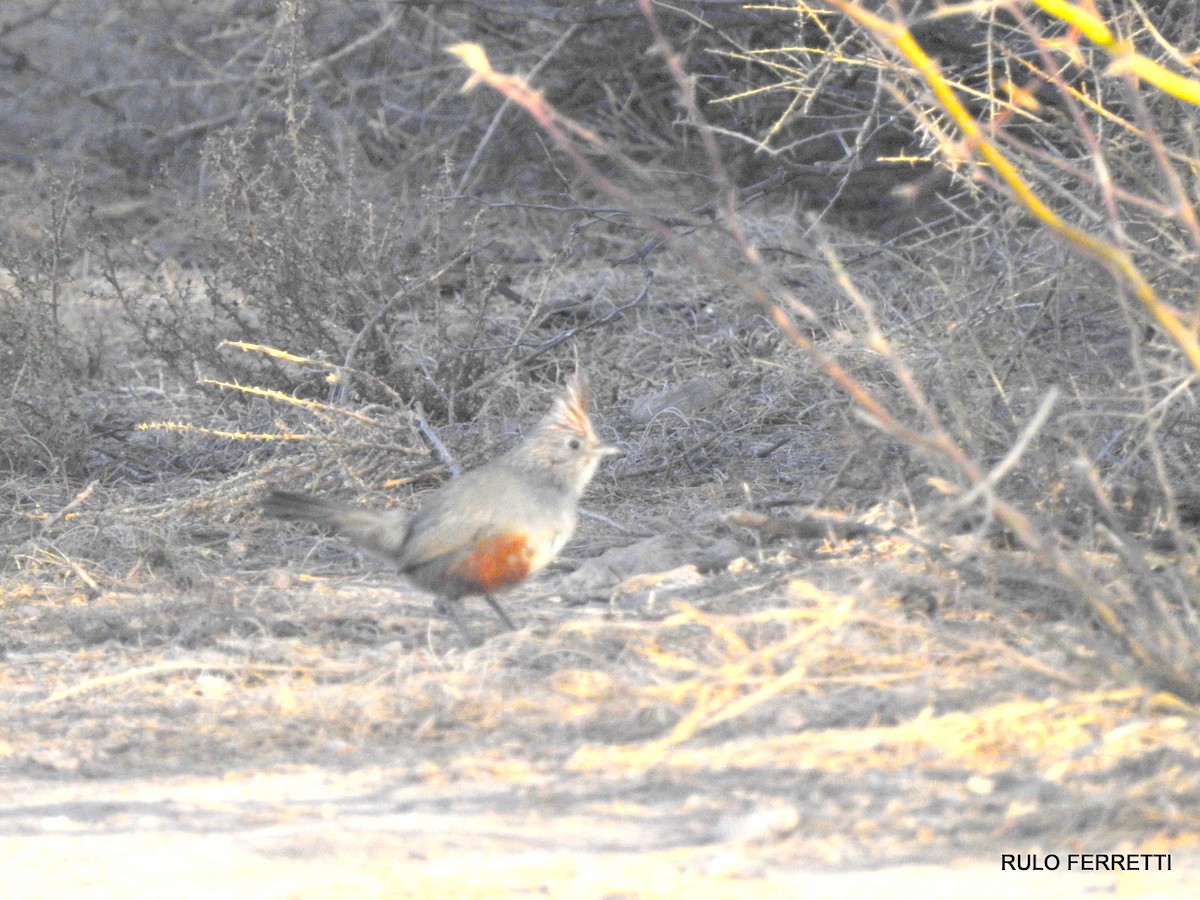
pixel 44 353
pixel 979 391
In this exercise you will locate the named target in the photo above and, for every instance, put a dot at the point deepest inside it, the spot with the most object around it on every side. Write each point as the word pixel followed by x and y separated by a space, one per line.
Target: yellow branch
pixel 1114 258
pixel 1126 59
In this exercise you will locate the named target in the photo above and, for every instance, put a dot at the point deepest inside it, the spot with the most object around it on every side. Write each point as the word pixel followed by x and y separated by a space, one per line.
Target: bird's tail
pixel 381 533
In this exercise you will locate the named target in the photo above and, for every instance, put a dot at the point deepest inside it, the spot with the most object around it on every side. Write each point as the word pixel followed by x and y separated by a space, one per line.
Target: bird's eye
pixel 574 444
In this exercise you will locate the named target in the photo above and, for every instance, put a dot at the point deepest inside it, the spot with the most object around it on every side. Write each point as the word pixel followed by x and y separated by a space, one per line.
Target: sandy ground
pixel 313 832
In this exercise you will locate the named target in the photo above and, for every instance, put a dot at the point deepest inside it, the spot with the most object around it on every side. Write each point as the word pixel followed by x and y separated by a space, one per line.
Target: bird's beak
pixel 608 451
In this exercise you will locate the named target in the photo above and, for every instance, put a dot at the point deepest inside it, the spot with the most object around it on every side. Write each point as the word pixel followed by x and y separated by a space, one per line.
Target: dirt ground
pixel 319 832
pixel 629 748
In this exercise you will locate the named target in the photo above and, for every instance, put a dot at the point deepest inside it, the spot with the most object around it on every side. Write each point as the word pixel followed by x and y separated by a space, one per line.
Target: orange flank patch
pixel 497 562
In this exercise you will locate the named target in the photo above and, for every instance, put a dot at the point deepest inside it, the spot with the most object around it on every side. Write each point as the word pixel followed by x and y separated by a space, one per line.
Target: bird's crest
pixel 569 412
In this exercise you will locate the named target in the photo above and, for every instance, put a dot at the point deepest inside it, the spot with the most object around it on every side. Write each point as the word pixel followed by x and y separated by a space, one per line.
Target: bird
pixel 486 530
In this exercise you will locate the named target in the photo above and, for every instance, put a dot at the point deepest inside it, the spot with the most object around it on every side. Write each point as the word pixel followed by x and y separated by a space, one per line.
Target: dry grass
pixel 812 685
pixel 925 694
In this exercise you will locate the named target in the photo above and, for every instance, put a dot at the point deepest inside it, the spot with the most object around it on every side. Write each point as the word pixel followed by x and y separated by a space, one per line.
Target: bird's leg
pixel 449 609
pixel 499 611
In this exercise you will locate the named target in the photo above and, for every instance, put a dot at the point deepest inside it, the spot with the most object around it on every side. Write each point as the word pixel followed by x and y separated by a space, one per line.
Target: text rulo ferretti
pixel 1085 862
